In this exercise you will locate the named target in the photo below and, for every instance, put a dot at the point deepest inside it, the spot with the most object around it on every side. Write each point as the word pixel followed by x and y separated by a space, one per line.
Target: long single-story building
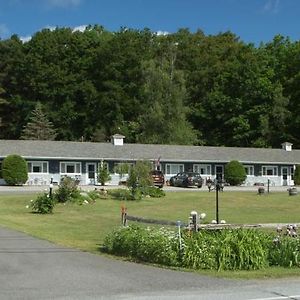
pixel 80 160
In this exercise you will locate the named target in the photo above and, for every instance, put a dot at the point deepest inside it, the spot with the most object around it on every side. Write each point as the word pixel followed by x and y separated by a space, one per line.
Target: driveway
pixel 36 269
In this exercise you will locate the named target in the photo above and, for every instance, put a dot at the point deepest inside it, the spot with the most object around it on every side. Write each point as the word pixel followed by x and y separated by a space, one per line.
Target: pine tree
pixel 38 127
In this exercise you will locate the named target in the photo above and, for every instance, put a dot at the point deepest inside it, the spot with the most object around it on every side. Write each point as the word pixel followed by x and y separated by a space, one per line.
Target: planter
pixel 293 191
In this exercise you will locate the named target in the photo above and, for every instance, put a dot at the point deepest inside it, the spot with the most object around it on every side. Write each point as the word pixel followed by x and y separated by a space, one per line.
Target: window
pixel 269 171
pixel 249 170
pixel 292 172
pixel 174 168
pixel 70 168
pixel 202 169
pixel 37 167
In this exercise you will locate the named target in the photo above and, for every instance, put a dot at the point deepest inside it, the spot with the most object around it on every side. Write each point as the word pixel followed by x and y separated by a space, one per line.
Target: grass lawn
pixel 84 227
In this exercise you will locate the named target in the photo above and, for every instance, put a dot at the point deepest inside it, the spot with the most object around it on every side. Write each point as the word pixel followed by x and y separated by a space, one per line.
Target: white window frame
pixel 249 170
pixel 64 164
pixel 264 171
pixel 170 169
pixel 197 169
pixel 41 164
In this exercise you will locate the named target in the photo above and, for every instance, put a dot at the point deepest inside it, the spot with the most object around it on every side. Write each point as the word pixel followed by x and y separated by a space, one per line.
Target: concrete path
pixel 36 269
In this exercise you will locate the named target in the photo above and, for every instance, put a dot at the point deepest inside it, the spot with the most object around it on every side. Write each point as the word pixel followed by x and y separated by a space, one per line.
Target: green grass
pixel 84 227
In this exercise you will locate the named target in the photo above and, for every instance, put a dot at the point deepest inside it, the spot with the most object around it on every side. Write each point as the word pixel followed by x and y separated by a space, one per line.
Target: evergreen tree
pixel 38 127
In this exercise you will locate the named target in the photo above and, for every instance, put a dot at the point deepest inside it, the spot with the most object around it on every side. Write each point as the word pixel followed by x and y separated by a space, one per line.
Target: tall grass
pixel 237 249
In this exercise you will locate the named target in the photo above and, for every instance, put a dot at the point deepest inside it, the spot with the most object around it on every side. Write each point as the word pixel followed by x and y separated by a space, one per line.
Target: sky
pixel 254 21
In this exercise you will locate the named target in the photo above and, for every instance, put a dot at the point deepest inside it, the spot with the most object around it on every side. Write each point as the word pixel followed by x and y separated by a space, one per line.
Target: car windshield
pixel 192 174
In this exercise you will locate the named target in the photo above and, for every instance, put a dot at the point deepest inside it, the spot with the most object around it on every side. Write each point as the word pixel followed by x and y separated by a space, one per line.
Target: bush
pixel 14 170
pixel 67 191
pixel 297 175
pixel 285 252
pixel 153 192
pixel 235 173
pixel 227 249
pixel 103 173
pixel 144 244
pixel 43 204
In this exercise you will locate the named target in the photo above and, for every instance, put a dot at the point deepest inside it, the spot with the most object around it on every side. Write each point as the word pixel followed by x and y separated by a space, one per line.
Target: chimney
pixel 287 146
pixel 117 139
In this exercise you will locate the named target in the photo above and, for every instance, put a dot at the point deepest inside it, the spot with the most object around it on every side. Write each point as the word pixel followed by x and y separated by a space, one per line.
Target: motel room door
pixel 285 176
pixel 219 170
pixel 91 172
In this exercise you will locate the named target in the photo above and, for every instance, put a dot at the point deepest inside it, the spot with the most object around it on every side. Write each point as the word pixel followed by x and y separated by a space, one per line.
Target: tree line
pixel 181 88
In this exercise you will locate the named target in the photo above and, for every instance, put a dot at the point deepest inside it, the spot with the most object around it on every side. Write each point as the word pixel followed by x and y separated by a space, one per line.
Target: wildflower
pixel 202 216
pixel 27 206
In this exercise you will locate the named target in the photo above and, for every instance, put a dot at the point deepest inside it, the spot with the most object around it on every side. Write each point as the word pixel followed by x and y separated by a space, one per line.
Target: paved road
pixel 36 269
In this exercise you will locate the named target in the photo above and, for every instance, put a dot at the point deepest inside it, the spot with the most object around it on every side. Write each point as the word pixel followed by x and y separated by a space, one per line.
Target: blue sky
pixel 252 20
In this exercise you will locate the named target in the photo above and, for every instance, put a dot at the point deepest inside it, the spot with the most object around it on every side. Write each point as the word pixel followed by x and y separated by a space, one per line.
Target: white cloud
pixel 271 6
pixel 26 39
pixel 160 32
pixel 63 3
pixel 80 28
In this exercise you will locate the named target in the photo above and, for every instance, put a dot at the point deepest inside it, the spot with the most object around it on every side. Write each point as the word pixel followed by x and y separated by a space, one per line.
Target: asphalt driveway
pixel 36 269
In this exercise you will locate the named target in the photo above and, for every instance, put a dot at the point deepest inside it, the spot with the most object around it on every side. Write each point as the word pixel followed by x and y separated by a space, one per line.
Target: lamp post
pixel 51 187
pixel 268 185
pixel 217 200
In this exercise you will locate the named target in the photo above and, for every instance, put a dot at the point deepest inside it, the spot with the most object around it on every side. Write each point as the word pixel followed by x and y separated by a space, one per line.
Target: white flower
pixel 27 206
pixel 31 200
pixel 223 222
pixel 202 216
pixel 85 202
pixel 213 222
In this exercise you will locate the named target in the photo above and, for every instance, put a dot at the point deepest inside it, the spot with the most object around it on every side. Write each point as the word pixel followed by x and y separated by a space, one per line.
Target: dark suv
pixel 187 179
pixel 158 178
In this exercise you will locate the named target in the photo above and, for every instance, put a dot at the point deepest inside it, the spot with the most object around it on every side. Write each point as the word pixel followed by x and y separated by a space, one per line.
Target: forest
pixel 184 88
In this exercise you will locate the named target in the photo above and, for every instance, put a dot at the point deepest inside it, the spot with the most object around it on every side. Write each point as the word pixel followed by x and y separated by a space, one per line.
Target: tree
pixel 297 175
pixel 164 117
pixel 235 173
pixel 38 127
pixel 139 178
pixel 103 173
pixel 14 170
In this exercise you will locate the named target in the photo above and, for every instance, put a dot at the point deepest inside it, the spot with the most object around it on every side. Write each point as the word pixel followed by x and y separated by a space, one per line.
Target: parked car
pixel 158 178
pixel 187 179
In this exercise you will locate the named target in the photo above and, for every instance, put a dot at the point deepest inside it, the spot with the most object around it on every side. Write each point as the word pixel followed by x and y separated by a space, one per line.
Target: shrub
pixel 144 244
pixel 226 249
pixel 103 173
pixel 120 194
pixel 297 175
pixel 139 175
pixel 43 204
pixel 67 191
pixel 285 252
pixel 153 192
pixel 14 170
pixel 234 173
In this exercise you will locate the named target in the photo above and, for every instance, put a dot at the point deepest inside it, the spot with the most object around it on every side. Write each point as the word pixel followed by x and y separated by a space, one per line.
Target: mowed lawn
pixel 84 227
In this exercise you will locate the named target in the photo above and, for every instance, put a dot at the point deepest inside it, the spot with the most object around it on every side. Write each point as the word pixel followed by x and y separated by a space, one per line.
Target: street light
pixel 51 187
pixel 217 200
